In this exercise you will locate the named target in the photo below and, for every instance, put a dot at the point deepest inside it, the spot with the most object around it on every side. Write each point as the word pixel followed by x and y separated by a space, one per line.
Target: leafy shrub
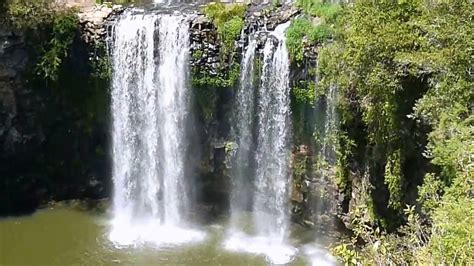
pixel 320 33
pixel 294 38
pixel 313 30
pixel 49 28
pixel 304 93
pixel 393 179
pixel 229 21
pixel 452 234
pixel 64 29
pixel 29 15
pixel 380 247
pixel 380 47
pixel 301 29
pixel 229 32
pixel 317 8
pixel 221 80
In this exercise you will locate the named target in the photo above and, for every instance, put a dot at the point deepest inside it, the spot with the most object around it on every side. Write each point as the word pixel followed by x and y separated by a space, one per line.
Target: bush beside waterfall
pixel 229 21
pixel 405 77
pixel 316 25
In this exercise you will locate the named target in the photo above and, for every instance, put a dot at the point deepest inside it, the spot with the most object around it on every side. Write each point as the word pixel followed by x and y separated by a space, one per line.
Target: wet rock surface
pixel 20 134
pixel 17 103
pixel 206 47
pixel 47 150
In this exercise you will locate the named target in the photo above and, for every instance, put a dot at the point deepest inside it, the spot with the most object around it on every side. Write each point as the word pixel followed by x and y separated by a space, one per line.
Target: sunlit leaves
pixel 380 46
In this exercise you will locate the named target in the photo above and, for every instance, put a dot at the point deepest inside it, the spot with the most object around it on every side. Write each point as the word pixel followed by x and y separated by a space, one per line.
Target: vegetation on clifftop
pixel 50 29
pixel 209 80
pixel 229 21
pixel 315 26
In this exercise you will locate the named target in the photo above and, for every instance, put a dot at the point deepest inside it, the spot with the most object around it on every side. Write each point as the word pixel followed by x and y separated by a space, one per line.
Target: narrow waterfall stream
pixel 271 152
pixel 273 146
pixel 243 116
pixel 150 102
pixel 330 126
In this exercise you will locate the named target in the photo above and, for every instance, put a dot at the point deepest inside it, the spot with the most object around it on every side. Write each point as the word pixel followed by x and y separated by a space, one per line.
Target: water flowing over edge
pixel 150 102
pixel 242 128
pixel 270 209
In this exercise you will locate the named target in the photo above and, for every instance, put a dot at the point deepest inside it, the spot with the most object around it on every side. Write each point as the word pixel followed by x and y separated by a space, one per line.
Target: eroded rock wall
pixel 53 134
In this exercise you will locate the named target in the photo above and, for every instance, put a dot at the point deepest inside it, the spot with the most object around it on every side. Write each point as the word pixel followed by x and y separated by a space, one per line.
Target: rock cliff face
pixel 13 60
pixel 313 192
pixel 53 135
pixel 206 47
pixel 20 133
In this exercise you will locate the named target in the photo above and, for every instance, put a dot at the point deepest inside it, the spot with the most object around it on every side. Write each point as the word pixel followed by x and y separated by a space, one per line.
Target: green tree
pixel 406 68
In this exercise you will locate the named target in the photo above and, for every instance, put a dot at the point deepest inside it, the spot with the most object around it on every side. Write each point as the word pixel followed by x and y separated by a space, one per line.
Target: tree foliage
pixel 315 26
pixel 406 66
pixel 302 29
pixel 49 28
pixel 319 8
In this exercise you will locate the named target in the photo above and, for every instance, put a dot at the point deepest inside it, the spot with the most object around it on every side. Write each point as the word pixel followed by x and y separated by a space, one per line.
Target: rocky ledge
pixel 94 20
pixel 206 48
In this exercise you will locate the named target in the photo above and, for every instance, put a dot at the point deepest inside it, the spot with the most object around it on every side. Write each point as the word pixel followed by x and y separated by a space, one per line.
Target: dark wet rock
pixel 47 152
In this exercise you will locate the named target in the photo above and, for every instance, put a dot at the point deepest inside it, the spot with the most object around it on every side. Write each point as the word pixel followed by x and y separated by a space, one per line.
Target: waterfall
pixel 328 151
pixel 273 145
pixel 242 132
pixel 149 110
pixel 272 151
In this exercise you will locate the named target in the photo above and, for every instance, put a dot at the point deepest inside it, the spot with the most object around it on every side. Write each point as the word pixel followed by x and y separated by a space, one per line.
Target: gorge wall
pixel 53 133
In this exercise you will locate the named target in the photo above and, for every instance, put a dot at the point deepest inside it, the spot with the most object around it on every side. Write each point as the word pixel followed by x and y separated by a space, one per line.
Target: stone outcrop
pixel 313 191
pixel 205 47
pixel 21 135
pixel 81 4
pixel 261 17
pixel 94 21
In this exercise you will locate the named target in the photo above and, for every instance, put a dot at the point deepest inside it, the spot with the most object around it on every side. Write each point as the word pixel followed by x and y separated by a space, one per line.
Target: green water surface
pixel 68 236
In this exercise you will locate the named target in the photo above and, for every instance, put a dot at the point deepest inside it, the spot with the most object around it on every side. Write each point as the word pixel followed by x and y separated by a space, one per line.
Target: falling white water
pixel 149 110
pixel 273 146
pixel 242 131
pixel 270 192
pixel 330 126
